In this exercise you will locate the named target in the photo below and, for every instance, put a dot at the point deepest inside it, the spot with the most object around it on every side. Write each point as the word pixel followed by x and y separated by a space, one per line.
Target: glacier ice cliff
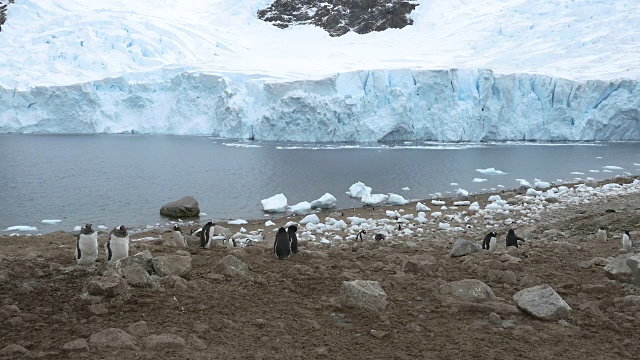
pixel 377 105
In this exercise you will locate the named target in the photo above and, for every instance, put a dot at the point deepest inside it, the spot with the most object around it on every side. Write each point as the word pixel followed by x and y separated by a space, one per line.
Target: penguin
pixel 489 240
pixel 379 237
pixel 602 234
pixel 117 246
pixel 282 244
pixel 291 230
pixel 512 238
pixel 626 240
pixel 360 235
pixel 205 235
pixel 178 239
pixel 87 245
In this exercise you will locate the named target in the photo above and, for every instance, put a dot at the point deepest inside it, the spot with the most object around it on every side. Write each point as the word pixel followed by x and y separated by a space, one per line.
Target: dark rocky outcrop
pixel 186 207
pixel 338 17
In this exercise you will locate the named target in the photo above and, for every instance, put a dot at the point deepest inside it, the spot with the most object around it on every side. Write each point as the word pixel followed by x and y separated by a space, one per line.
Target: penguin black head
pixel 627 233
pixel 511 232
pixel 292 228
pixel 602 227
pixel 121 231
pixel 86 229
pixel 210 223
pixel 363 231
pixel 493 234
pixel 177 228
pixel 282 230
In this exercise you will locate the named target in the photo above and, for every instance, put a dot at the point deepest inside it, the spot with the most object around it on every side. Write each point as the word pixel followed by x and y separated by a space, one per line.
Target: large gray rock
pixel 462 247
pixel 164 342
pixel 186 207
pixel 221 230
pixel 543 303
pixel 76 345
pixel 231 266
pixel 105 286
pixel 633 263
pixel 167 265
pixel 470 290
pixel 112 339
pixel 143 258
pixel 137 276
pixel 12 350
pixel 617 269
pixel 419 264
pixel 363 294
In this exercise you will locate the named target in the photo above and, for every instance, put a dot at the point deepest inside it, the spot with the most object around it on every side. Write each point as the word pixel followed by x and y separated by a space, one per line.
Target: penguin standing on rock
pixel 87 245
pixel 489 242
pixel 626 240
pixel 602 234
pixel 117 246
pixel 205 235
pixel 177 236
pixel 282 245
pixel 512 238
pixel 293 238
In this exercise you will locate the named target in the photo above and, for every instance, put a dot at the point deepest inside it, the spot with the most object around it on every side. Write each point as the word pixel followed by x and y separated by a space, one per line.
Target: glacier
pixel 377 105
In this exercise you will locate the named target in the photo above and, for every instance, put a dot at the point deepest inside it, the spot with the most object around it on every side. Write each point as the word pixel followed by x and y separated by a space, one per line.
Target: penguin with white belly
pixel 626 241
pixel 87 245
pixel 178 239
pixel 602 233
pixel 117 246
pixel 489 241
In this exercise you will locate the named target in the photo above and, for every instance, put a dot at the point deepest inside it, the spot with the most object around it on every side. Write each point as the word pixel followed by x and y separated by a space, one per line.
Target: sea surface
pixel 124 179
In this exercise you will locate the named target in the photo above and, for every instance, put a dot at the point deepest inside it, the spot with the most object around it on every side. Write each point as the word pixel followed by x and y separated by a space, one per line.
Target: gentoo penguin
pixel 282 244
pixel 512 238
pixel 379 237
pixel 602 234
pixel 117 246
pixel 177 236
pixel 205 235
pixel 626 240
pixel 291 230
pixel 360 235
pixel 489 241
pixel 87 245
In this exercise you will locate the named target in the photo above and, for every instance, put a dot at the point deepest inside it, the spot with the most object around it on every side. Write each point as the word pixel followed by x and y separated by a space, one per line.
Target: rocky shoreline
pixel 403 297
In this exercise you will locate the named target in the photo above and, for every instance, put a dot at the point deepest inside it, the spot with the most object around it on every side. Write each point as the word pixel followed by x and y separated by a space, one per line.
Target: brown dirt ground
pixel 285 311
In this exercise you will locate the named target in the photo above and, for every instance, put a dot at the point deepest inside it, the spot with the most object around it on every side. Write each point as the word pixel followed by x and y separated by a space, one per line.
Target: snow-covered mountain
pixel 555 70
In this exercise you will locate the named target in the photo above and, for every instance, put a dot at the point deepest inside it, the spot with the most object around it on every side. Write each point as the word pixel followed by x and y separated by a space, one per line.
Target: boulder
pixel 164 342
pixel 167 265
pixel 76 345
pixel 222 231
pixel 419 263
pixel 112 339
pixel 143 259
pixel 105 286
pixel 543 303
pixel 363 294
pixel 502 277
pixel 617 269
pixel 137 276
pixel 139 328
pixel 231 266
pixel 470 290
pixel 12 350
pixel 463 247
pixel 597 261
pixel 633 263
pixel 186 207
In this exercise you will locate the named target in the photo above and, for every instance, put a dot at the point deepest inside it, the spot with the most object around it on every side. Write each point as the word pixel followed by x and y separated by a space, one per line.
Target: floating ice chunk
pixel 636 164
pixel 374 199
pixel 51 222
pixel 491 171
pixel 456 184
pixel 77 228
pixel 523 182
pixel 437 202
pixel 23 228
pixel 576 173
pixel 237 222
pixel 500 186
pixel 395 199
pixel 102 227
pixel 607 170
pixel 594 171
pixel 301 208
pixel 202 214
pixel 326 201
pixel 422 207
pixel 310 219
pixel 478 180
pixel 276 203
pixel 359 190
pixel 406 188
pixel 461 203
pixel 494 198
pixel 269 223
pixel 612 167
pixel 444 226
pixel 462 192
pixel 542 185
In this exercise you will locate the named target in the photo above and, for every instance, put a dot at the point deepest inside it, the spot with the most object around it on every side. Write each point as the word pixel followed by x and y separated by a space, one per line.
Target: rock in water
pixel 462 247
pixel 470 290
pixel 186 207
pixel 231 266
pixel 363 294
pixel 543 303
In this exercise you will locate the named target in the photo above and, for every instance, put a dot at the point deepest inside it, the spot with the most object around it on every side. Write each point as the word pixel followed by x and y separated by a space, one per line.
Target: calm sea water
pixel 125 179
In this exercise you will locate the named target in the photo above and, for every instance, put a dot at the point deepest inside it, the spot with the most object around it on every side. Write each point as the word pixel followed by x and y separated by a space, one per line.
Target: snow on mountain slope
pixel 211 67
